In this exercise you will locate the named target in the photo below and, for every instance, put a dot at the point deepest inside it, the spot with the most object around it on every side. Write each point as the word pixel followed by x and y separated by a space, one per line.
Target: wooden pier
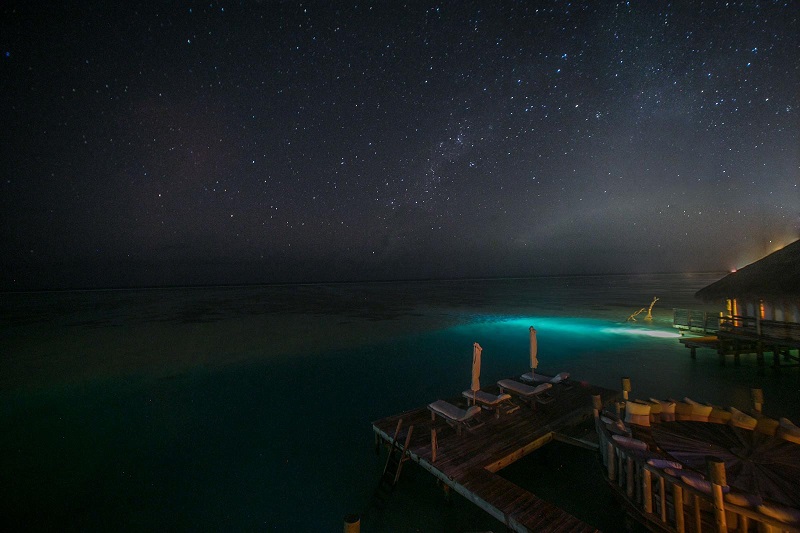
pixel 740 335
pixel 468 463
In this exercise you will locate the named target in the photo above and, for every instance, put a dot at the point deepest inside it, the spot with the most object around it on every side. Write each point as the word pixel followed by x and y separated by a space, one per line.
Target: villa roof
pixel 776 275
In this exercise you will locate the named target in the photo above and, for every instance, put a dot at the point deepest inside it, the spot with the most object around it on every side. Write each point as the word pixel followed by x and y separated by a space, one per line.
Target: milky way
pixel 288 141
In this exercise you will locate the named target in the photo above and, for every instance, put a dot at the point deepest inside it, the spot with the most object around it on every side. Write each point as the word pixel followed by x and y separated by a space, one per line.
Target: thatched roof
pixel 776 275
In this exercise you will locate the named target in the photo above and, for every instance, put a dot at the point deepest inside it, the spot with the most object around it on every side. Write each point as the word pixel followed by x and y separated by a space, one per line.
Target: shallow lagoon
pixel 250 407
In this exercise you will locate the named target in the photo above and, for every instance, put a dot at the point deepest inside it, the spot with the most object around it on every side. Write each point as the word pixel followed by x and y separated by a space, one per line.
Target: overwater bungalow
pixel 762 302
pixel 768 289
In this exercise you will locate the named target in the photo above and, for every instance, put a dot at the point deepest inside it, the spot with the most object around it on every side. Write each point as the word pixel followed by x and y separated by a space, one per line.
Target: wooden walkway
pixel 469 463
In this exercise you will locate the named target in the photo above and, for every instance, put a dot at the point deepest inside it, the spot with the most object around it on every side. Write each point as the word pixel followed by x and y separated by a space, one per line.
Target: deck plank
pixel 468 463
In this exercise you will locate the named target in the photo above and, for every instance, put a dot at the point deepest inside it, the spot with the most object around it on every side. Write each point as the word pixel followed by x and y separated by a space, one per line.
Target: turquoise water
pixel 249 408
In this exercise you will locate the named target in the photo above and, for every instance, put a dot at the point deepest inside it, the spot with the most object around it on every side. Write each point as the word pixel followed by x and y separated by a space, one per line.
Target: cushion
pixel 683 411
pixel 637 413
pixel 561 376
pixel 743 499
pixel 701 484
pixel 766 425
pixel 516 386
pixel 667 410
pixel 788 431
pixel 452 412
pixel 785 514
pixel 700 412
pixel 663 463
pixel 486 398
pixel 719 416
pixel 742 420
pixel 655 408
pixel 541 388
pixel 628 442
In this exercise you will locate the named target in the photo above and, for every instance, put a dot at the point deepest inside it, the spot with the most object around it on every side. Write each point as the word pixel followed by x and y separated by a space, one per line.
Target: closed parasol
pixel 476 369
pixel 534 348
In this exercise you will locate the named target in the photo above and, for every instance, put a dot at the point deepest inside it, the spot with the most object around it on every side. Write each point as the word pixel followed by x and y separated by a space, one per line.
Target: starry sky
pixel 182 143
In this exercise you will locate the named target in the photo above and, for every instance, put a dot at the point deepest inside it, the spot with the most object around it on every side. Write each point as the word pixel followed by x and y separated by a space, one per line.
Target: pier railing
pixel 666 502
pixel 695 321
pixel 743 326
pixel 753 327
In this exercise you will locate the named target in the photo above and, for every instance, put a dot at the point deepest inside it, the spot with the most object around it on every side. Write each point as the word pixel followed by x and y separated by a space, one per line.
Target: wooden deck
pixel 740 335
pixel 784 353
pixel 469 463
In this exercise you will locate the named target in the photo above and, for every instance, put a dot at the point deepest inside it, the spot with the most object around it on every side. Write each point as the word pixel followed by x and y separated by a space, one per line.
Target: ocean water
pixel 250 408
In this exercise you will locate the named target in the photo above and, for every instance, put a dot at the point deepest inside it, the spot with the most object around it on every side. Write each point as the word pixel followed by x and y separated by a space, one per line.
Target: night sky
pixel 176 143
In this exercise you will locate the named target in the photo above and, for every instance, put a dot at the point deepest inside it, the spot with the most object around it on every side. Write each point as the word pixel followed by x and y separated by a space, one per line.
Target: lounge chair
pixel 539 393
pixel 454 416
pixel 561 377
pixel 492 401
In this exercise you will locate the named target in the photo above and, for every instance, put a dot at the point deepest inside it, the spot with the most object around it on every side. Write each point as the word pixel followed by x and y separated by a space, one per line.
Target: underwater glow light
pixel 570 326
pixel 645 332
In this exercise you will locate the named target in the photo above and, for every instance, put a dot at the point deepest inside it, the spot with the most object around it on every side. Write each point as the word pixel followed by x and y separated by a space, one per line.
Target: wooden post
pixel 744 523
pixel 352 523
pixel 662 487
pixel 629 466
pixel 434 445
pixel 446 490
pixel 693 352
pixel 716 474
pixel 698 518
pixel 597 405
pixel 626 388
pixel 612 462
pixel 647 491
pixel 677 494
pixel 758 399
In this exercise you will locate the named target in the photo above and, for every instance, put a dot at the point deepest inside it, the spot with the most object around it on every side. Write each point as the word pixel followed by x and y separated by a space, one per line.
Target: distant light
pixel 733 271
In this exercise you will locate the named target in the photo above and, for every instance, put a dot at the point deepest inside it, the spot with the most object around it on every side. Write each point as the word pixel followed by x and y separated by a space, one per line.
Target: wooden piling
pixel 647 491
pixel 758 399
pixel 612 462
pixel 352 523
pixel 716 474
pixel 677 496
pixel 597 405
pixel 434 445
pixel 629 470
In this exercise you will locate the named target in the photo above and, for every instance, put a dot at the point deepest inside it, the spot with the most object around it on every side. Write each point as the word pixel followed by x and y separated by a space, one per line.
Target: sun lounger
pixel 492 401
pixel 561 377
pixel 454 416
pixel 528 393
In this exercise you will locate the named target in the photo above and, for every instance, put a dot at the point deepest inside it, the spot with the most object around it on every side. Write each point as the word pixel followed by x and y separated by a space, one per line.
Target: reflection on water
pixel 236 408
